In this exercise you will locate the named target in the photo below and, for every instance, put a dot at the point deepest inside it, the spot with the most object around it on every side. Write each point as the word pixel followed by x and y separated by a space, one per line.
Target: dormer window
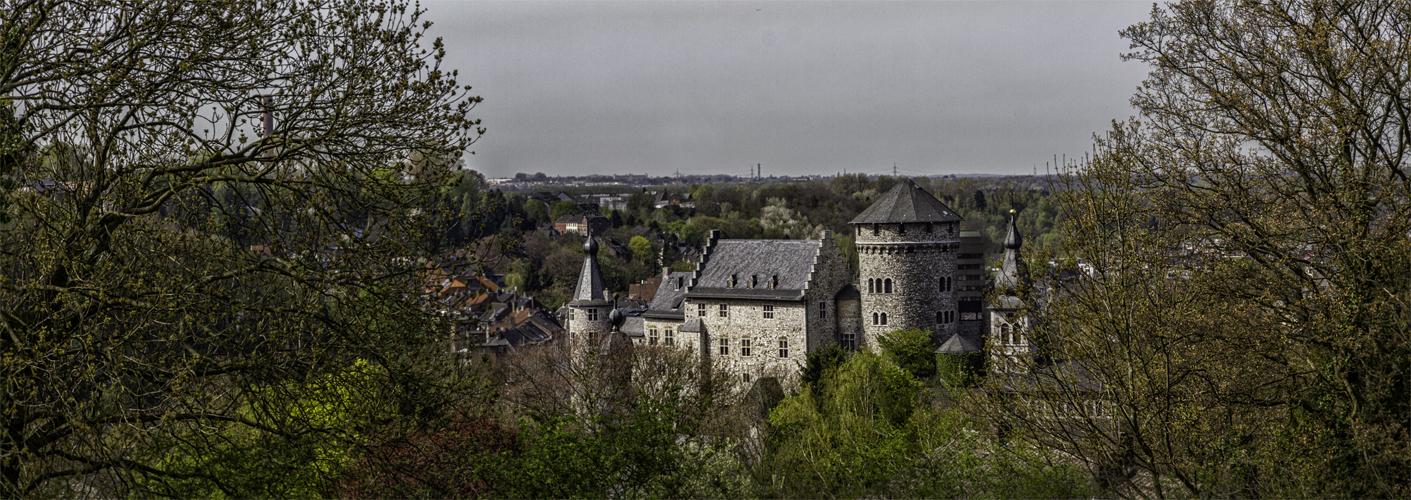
pixel 754 280
pixel 774 282
pixel 680 282
pixel 733 279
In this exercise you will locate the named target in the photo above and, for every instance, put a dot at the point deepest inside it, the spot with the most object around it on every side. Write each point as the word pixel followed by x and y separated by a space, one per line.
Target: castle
pixel 759 306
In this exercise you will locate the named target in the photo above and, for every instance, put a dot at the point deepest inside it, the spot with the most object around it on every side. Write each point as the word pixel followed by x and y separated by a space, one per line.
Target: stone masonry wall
pixel 829 275
pixel 915 260
pixel 745 320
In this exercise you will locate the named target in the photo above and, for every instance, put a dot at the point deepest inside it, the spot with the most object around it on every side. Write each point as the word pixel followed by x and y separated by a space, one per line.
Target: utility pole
pixel 894 169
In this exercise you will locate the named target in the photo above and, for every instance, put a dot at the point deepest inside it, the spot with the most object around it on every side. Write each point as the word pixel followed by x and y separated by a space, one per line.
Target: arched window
pixel 874 319
pixel 939 317
pixel 887 285
pixel 870 286
pixel 884 318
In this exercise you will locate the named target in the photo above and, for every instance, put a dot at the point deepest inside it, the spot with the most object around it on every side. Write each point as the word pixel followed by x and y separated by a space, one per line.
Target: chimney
pixel 269 117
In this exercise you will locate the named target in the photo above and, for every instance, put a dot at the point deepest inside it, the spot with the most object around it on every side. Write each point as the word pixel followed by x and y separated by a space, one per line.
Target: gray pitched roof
pixel 957 344
pixel 667 302
pixel 693 325
pixel 762 260
pixel 906 202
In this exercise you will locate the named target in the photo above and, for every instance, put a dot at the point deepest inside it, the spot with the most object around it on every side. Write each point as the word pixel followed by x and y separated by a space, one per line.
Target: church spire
pixel 590 288
pixel 1013 274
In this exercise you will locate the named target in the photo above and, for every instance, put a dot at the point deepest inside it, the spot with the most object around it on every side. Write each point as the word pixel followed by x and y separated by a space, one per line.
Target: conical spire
pixel 590 287
pixel 1013 274
pixel 1012 240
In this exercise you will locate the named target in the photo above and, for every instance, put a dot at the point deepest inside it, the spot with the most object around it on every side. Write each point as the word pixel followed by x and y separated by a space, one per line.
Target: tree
pixel 175 267
pixel 912 350
pixel 1246 320
pixel 562 208
pixel 641 249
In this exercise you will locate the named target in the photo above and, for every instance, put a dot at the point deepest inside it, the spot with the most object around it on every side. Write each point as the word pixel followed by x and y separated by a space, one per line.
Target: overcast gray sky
pixel 937 87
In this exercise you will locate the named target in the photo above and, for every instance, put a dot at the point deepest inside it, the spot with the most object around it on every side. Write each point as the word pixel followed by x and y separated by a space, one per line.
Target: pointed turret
pixel 590 287
pixel 1013 274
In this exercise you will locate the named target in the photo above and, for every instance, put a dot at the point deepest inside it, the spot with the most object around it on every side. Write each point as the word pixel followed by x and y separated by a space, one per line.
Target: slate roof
pixel 848 293
pixel 590 280
pixel 693 325
pixel 1013 273
pixel 667 302
pixel 907 202
pixel 790 260
pixel 957 344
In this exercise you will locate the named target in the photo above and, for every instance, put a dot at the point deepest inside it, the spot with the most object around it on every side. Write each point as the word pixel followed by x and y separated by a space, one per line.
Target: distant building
pixel 582 224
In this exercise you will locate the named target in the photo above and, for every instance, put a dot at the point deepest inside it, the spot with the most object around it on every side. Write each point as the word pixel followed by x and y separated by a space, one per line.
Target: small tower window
pixel 884 318
pixel 875 319
pixel 874 229
pixel 592 314
pixel 887 285
pixel 871 285
pixel 901 228
pixel 822 310
pixel 940 317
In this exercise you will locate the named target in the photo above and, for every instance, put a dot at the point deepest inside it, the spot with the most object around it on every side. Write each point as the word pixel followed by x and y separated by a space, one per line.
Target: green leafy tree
pixel 562 208
pixel 912 350
pixel 1244 328
pixel 180 262
pixel 641 249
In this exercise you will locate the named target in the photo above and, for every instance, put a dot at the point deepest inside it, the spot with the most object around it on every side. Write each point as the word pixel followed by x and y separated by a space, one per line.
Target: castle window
pixel 724 311
pixel 871 285
pixel 1004 334
pixel 746 377
pixel 724 346
pixel 930 228
pixel 875 318
pixel 592 315
pixel 744 347
pixel 754 280
pixel 849 340
pixel 874 229
pixel 774 281
pixel 901 228
pixel 652 336
pixel 822 310
pixel 887 285
pixel 783 348
pixel 884 318
pixel 670 337
pixel 733 281
pixel 768 311
pixel 940 317
pixel 700 310
pixel 680 282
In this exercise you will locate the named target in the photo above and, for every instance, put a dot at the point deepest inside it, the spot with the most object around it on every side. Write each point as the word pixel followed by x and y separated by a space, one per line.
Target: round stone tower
pixel 906 248
pixel 590 305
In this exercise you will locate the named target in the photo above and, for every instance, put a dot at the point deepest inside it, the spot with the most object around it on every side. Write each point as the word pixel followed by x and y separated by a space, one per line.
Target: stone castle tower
pixel 906 247
pixel 590 306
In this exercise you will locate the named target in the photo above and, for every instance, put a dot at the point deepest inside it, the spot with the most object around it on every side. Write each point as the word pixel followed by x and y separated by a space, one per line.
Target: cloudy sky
pixel 940 87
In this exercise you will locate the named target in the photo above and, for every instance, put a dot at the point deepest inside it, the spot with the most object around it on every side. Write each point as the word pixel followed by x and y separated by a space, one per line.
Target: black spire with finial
pixel 1013 274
